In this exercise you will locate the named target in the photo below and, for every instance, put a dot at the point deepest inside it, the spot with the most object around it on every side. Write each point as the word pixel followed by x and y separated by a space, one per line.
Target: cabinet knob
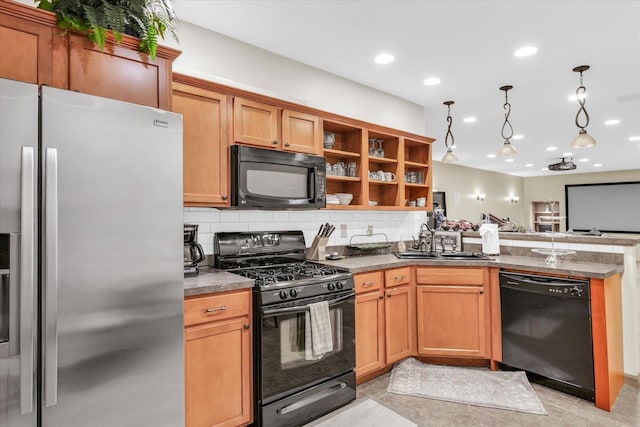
pixel 275 141
pixel 246 326
pixel 287 145
pixel 381 297
pixel 225 197
pixel 481 292
pixel 389 295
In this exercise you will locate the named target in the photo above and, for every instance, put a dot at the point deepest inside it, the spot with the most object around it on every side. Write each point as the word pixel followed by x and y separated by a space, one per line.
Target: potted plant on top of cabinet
pixel 143 19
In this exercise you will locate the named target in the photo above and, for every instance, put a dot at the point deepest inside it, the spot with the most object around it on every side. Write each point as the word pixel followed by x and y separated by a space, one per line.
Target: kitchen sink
pixel 442 255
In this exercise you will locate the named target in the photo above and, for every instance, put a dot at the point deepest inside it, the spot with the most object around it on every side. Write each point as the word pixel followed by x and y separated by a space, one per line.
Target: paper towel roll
pixel 490 239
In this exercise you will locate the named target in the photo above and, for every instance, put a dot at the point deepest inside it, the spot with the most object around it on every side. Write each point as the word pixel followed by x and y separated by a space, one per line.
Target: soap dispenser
pixel 401 246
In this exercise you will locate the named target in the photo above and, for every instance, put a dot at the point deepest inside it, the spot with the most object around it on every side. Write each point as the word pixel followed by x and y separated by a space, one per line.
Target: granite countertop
pixel 378 262
pixel 605 239
pixel 211 280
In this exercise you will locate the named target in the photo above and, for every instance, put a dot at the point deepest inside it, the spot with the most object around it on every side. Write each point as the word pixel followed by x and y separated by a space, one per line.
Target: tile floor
pixel 564 410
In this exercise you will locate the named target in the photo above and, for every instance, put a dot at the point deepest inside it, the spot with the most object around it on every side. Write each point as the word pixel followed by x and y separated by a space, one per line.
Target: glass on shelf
pixel 372 147
pixel 380 150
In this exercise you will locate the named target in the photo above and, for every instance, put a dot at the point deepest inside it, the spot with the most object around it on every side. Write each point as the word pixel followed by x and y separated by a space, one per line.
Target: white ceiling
pixel 470 46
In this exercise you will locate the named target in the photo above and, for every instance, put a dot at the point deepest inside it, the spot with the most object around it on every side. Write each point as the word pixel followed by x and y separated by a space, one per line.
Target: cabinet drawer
pixel 368 281
pixel 450 275
pixel 216 307
pixel 397 276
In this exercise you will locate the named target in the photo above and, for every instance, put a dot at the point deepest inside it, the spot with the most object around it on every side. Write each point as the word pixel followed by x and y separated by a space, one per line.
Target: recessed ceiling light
pixel 528 165
pixel 491 156
pixel 597 165
pixel 545 169
pixel 508 160
pixel 612 122
pixel 525 51
pixel 384 58
pixel 584 159
pixel 567 154
pixel 454 146
pixel 431 81
pixel 469 119
pixel 575 97
pixel 518 136
pixel 552 148
pixel 635 138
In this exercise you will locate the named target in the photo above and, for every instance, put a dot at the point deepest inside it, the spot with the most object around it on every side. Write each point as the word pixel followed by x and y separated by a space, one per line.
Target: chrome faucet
pixel 426 238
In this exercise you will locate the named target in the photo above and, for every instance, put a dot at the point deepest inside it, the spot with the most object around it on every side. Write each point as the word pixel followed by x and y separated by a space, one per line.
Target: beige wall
pixel 215 57
pixel 461 184
pixel 552 187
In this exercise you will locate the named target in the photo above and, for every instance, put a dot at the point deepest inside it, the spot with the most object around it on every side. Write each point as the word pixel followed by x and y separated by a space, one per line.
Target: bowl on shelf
pixel 332 199
pixel 344 198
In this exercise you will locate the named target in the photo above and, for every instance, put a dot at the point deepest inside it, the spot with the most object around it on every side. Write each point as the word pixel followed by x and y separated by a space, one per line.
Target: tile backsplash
pixel 395 224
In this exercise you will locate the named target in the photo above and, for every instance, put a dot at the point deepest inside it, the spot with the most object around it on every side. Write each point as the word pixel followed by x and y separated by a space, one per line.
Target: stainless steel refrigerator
pixel 91 328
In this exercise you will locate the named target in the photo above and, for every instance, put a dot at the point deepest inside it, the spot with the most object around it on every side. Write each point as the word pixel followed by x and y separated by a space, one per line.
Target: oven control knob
pixel 575 291
pixel 339 285
pixel 331 286
pixel 293 292
pixel 283 294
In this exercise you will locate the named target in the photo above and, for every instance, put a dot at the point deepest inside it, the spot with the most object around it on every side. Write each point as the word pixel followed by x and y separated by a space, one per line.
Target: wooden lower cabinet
pixel 370 348
pixel 218 357
pixel 453 317
pixel 398 315
pixel 384 319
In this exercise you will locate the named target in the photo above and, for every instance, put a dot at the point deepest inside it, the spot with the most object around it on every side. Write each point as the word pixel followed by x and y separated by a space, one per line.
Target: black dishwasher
pixel 546 331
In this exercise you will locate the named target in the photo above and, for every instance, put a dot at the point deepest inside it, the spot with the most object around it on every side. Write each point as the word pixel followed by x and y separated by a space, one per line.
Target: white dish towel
pixel 318 335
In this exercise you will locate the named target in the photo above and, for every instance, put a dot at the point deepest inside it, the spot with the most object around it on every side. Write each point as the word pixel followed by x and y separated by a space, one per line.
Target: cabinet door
pixel 218 374
pixel 32 50
pixel 255 123
pixel 205 145
pixel 119 72
pixel 301 132
pixel 452 321
pixel 398 323
pixel 369 332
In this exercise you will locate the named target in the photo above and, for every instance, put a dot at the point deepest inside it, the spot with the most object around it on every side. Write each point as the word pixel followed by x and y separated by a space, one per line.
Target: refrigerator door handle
pixel 27 279
pixel 51 277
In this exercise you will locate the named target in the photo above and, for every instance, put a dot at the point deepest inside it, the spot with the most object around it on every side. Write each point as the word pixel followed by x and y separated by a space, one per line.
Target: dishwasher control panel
pixel 556 286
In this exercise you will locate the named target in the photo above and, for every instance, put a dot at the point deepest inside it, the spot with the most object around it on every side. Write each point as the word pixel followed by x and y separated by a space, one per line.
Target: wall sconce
pixel 480 197
pixel 514 199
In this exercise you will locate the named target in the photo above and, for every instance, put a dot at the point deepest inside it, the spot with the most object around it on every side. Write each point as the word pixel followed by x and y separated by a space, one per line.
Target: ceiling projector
pixel 563 165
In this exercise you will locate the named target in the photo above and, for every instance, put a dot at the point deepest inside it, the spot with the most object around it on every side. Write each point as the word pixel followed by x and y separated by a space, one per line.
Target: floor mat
pixel 366 413
pixel 479 387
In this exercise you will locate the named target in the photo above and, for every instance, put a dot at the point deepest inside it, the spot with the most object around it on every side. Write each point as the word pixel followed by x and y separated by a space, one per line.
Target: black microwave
pixel 270 179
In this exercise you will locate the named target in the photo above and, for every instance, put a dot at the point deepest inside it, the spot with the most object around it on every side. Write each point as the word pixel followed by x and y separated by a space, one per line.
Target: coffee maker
pixel 193 252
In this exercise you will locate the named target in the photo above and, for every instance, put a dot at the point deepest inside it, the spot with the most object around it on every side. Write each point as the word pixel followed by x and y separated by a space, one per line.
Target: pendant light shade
pixel 507 149
pixel 449 157
pixel 583 140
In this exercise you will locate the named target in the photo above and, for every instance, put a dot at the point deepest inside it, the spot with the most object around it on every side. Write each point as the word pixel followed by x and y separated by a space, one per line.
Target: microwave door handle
pixel 311 183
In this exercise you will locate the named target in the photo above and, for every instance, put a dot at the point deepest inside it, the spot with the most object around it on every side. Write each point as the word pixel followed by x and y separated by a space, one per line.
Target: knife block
pixel 317 251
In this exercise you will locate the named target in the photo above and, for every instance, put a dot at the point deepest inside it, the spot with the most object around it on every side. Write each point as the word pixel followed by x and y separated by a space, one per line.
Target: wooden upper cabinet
pixel 301 132
pixel 256 123
pixel 120 71
pixel 268 126
pixel 31 50
pixel 205 142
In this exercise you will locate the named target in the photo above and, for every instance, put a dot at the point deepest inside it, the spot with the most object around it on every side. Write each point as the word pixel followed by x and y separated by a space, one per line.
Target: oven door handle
pixel 278 311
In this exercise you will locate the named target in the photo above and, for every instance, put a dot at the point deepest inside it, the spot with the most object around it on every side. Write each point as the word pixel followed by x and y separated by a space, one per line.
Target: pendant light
pixel 583 140
pixel 449 157
pixel 507 149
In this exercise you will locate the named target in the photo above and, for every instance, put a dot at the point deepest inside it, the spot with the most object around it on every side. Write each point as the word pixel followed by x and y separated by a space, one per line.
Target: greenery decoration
pixel 144 19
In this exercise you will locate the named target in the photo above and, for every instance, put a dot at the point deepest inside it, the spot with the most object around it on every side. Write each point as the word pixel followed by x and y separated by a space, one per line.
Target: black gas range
pixel 276 261
pixel 292 385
